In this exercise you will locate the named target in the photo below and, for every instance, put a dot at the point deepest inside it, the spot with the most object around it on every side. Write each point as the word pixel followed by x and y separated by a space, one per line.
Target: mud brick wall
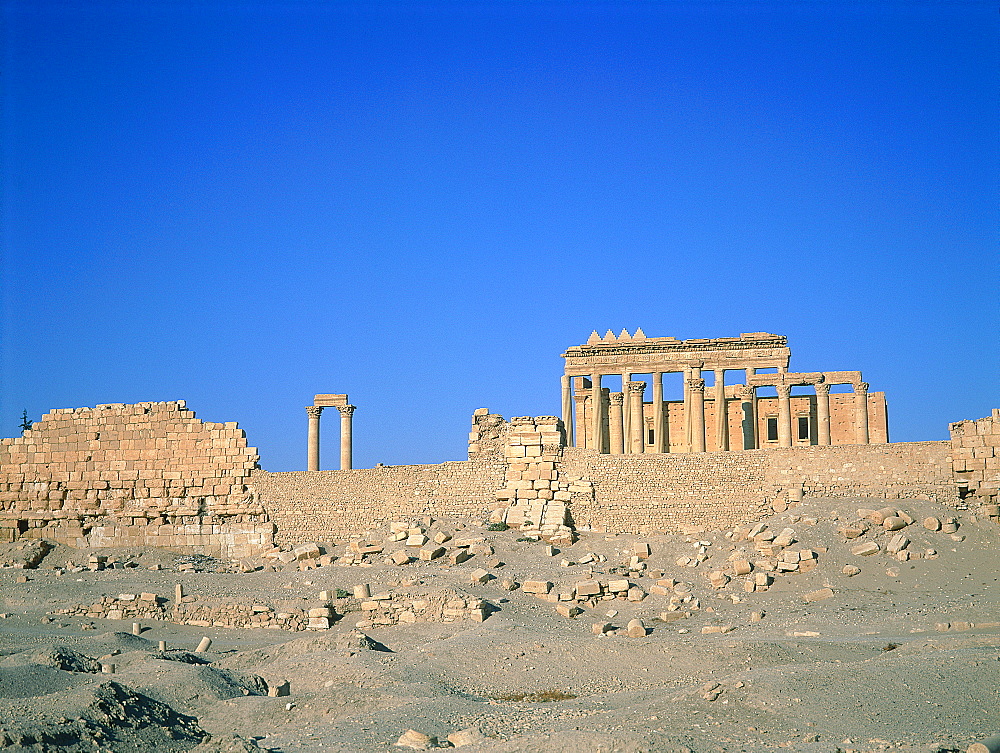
pixel 334 505
pixel 975 450
pixel 141 474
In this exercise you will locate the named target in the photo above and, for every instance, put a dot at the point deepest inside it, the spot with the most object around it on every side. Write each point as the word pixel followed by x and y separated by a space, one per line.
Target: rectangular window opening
pixel 772 430
pixel 803 427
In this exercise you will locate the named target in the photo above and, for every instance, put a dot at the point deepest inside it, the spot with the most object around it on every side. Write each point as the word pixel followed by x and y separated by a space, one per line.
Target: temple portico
pixel 314 412
pixel 765 410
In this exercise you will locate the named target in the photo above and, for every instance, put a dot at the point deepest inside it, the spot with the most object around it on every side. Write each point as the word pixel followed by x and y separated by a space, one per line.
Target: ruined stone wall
pixel 643 493
pixel 975 450
pixel 123 475
pixel 333 505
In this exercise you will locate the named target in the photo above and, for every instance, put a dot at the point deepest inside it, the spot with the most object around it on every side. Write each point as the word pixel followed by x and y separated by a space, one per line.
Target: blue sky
pixel 422 204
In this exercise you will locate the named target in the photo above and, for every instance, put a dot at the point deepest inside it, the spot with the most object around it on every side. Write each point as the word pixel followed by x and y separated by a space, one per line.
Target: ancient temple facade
pixel 737 394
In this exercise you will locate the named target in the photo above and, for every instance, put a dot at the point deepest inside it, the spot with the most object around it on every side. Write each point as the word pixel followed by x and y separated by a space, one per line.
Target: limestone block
pixel 618 586
pixel 742 567
pixel 949 525
pixel 480 576
pixel 431 553
pixel 866 549
pixel 416 740
pixel 600 628
pixel 568 610
pixel 536 586
pixel 416 539
pixel 635 629
pixel 321 612
pixel 897 544
pixel 586 588
pixel 851 570
pixel 893 523
pixel 458 556
pixel 470 736
pixel 820 595
pixel 641 550
pixel 932 524
pixel 400 558
pixel 635 594
pixel 362 591
pixel 718 629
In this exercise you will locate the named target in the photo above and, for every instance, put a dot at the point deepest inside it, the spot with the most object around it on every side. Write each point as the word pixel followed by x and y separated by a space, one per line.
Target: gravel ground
pixel 870 668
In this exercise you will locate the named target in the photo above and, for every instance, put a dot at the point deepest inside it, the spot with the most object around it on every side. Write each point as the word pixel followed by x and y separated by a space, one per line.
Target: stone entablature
pixel 148 473
pixel 596 418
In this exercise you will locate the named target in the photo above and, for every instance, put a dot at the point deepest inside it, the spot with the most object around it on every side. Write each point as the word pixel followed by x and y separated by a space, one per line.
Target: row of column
pixel 625 421
pixel 346 436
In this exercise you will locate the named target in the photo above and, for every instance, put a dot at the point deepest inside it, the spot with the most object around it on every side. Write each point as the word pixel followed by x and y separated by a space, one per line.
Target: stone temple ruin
pixel 152 474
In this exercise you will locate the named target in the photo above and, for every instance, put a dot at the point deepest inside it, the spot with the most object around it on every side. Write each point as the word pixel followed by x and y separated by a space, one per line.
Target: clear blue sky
pixel 422 204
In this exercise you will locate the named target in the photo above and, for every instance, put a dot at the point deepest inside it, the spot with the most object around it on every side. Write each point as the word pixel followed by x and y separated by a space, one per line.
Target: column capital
pixel 822 388
pixel 861 388
pixel 617 397
pixel 314 411
pixel 346 410
pixel 784 391
pixel 748 393
pixel 696 385
pixel 636 386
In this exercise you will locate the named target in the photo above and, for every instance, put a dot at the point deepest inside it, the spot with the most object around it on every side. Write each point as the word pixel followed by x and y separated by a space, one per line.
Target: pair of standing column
pixel 346 436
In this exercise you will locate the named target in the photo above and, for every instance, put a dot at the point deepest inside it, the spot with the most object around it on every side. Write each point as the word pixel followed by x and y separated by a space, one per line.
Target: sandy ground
pixel 870 668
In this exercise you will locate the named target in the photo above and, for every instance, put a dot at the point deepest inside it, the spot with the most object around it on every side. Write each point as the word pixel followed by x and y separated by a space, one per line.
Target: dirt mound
pixel 109 716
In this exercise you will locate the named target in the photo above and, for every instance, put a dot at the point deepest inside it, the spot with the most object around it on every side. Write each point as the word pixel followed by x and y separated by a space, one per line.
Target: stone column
pixel 696 391
pixel 312 462
pixel 658 432
pixel 596 408
pixel 749 418
pixel 346 437
pixel 823 413
pixel 861 408
pixel 635 390
pixel 626 418
pixel 567 409
pixel 784 415
pixel 581 419
pixel 616 428
pixel 721 418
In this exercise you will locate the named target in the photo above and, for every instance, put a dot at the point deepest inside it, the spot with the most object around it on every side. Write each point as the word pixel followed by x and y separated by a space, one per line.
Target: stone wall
pixel 975 450
pixel 127 475
pixel 334 505
pixel 645 493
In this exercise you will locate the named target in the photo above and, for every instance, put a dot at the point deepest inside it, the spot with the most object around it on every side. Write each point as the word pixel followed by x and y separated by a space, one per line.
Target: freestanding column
pixel 616 428
pixel 635 390
pixel 696 391
pixel 567 409
pixel 596 407
pixel 314 412
pixel 861 406
pixel 721 415
pixel 658 432
pixel 784 415
pixel 346 438
pixel 823 413
pixel 749 419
